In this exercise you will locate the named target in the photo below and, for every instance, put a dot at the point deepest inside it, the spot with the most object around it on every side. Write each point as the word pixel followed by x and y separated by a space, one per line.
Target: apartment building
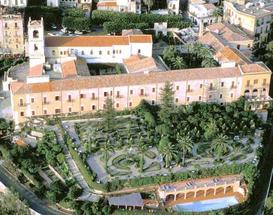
pixel 133 6
pixel 202 13
pixel 82 4
pixel 88 94
pixel 253 17
pixel 11 34
pixel 13 3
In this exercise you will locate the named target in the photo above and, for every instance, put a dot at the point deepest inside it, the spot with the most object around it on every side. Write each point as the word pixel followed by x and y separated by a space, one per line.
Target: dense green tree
pixel 167 150
pixel 106 148
pixel 185 145
pixel 149 4
pixel 178 63
pixel 211 130
pixel 11 205
pixel 142 149
pixel 167 103
pixel 108 114
pixel 269 204
pixel 219 145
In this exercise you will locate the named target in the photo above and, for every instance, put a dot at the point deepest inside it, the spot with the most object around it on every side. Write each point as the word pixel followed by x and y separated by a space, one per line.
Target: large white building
pixel 13 3
pixel 133 6
pixel 70 3
pixel 202 13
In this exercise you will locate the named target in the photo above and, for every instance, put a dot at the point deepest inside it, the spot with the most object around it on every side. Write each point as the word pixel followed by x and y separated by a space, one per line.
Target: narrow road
pixel 87 195
pixel 32 200
pixel 262 183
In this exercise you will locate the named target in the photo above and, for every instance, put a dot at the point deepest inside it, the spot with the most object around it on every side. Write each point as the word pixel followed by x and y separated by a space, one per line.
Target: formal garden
pixel 162 141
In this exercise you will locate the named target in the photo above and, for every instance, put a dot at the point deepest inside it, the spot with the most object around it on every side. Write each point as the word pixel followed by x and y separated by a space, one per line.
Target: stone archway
pixel 210 192
pixel 180 196
pixel 219 190
pixel 170 197
pixel 200 193
pixel 189 195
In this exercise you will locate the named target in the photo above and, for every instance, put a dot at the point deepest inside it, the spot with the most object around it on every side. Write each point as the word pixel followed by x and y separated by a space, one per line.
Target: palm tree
pixel 185 144
pixel 106 148
pixel 142 148
pixel 220 145
pixel 217 13
pixel 149 4
pixel 208 62
pixel 168 151
pixel 178 63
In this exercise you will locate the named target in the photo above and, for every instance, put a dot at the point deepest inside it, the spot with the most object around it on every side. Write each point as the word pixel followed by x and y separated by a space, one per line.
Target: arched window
pixel 246 93
pixel 35 34
pixel 35 47
pixel 255 92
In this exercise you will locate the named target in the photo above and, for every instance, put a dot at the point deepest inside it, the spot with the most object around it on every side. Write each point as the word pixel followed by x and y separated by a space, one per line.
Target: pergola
pixel 133 200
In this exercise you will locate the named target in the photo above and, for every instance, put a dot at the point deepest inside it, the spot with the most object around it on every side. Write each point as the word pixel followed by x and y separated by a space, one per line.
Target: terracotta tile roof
pixel 128 79
pixel 107 4
pixel 136 63
pixel 209 6
pixel 36 70
pixel 258 67
pixel 213 40
pixel 228 54
pixel 96 41
pixel 69 69
pixel 228 32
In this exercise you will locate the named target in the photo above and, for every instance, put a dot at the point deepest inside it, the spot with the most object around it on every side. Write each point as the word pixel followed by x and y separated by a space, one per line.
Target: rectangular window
pixel 189 88
pixel 45 112
pixel 81 96
pixel 248 83
pixel 142 92
pixel 201 85
pixel 200 98
pixel 131 92
pixel 222 84
pixel 82 108
pixel 231 95
pixel 176 100
pixel 21 102
pixel 33 113
pixel 153 90
pixel 232 84
pixel 118 95
pixel 57 111
pixel 93 96
pixel 153 102
pixel 93 107
pixel 69 109
pixel 256 81
pixel 105 94
pixel 264 81
pixel 177 87
pixel 130 104
pixel 221 96
pixel 188 99
pixel 69 98
pixel 44 100
pixel 210 96
pixel 22 113
pixel 211 86
pixel 57 98
pixel 117 105
pixel 32 100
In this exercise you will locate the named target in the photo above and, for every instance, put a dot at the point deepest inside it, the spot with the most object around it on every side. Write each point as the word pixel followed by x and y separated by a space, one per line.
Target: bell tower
pixel 36 42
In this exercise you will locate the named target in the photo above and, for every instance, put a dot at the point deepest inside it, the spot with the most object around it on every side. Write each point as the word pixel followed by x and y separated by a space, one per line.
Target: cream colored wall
pixel 126 100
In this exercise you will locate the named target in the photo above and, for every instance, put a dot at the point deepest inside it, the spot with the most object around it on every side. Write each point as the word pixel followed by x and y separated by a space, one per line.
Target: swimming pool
pixel 207 205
